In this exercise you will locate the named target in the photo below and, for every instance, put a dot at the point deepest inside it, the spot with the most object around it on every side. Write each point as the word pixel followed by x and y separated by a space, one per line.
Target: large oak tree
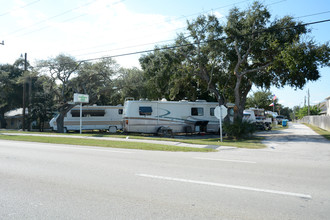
pixel 249 49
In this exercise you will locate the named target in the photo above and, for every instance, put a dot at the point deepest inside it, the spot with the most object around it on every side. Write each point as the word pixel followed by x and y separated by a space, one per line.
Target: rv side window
pixel 145 110
pixel 212 111
pixel 120 111
pixel 88 113
pixel 75 113
pixel 197 111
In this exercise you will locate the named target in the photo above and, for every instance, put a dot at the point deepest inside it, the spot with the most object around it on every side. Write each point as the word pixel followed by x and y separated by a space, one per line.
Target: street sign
pixel 80 98
pixel 220 112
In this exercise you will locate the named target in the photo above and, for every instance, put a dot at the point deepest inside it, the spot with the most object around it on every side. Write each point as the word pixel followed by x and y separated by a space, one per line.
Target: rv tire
pixel 112 129
pixel 164 132
pixel 188 129
pixel 65 130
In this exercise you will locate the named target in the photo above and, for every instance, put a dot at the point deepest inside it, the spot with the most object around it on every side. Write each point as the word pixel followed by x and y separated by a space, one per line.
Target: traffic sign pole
pixel 80 116
pixel 218 113
pixel 220 120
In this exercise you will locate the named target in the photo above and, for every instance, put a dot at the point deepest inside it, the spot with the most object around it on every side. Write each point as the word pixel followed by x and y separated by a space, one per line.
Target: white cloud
pixel 101 29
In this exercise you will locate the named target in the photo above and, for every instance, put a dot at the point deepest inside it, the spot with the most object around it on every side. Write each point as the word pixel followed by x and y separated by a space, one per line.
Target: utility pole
pixel 24 88
pixel 308 103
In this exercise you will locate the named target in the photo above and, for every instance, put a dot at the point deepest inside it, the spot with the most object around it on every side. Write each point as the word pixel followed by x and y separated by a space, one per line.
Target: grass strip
pixel 320 131
pixel 103 143
pixel 250 143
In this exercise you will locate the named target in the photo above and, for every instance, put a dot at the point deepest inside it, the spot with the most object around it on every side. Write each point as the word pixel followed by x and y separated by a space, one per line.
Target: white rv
pixel 258 117
pixel 170 116
pixel 93 118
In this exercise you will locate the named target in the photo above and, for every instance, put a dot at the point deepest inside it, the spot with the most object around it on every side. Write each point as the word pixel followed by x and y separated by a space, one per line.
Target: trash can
pixel 284 123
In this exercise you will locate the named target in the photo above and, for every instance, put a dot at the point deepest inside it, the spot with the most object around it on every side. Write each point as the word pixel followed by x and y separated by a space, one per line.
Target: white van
pixel 93 118
pixel 145 116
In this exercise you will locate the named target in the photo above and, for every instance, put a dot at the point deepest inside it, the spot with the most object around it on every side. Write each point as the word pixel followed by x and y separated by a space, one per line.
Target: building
pixel 14 118
pixel 328 105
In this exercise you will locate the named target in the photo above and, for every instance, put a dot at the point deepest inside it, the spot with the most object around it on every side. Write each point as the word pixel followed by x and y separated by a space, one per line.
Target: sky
pixel 90 29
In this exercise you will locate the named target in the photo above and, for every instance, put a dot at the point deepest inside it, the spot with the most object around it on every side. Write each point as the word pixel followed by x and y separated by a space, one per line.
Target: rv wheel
pixel 65 130
pixel 164 132
pixel 188 129
pixel 112 129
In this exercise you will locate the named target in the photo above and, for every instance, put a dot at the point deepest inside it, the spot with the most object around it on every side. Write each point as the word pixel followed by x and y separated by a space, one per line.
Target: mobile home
pixel 177 116
pixel 93 118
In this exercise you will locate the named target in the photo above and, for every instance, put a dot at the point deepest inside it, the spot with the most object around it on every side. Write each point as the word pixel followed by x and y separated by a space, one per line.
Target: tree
pixel 130 83
pixel 42 105
pixel 96 80
pixel 313 110
pixel 61 69
pixel 10 89
pixel 260 99
pixel 248 50
pixel 287 112
pixel 168 77
pixel 265 53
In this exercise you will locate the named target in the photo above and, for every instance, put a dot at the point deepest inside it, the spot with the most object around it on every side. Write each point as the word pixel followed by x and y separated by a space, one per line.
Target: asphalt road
pixel 288 180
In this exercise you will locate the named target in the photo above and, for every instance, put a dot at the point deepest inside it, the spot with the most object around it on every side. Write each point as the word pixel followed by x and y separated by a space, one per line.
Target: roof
pixel 15 112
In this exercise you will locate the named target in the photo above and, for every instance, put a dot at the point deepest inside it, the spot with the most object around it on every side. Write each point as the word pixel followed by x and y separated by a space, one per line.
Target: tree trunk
pixel 238 107
pixel 2 120
pixel 240 97
pixel 65 108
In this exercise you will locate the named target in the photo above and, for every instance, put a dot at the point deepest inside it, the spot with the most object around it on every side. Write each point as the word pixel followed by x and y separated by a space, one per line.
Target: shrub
pixel 239 129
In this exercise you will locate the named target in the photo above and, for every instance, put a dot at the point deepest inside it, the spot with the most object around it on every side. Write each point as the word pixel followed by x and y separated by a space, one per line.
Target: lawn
pixel 320 131
pixel 251 143
pixel 103 143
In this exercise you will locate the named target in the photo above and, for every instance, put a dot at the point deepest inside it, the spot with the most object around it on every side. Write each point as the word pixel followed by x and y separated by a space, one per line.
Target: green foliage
pixel 168 77
pixel 239 129
pixel 96 80
pixel 313 110
pixel 260 99
pixel 229 59
pixel 130 83
pixel 287 112
pixel 42 106
pixel 10 89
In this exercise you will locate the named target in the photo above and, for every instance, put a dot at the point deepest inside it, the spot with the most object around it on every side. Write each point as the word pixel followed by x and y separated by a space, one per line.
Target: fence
pixel 319 121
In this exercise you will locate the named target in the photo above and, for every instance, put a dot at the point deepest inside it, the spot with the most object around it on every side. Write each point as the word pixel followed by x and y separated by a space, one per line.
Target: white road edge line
pixel 225 160
pixel 75 147
pixel 305 196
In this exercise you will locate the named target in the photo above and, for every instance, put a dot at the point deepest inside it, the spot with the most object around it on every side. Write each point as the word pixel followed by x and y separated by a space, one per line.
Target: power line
pixel 320 13
pixel 191 44
pixel 97 52
pixel 14 9
pixel 55 16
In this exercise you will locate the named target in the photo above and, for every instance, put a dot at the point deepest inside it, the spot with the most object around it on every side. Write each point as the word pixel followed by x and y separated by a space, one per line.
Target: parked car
pixel 279 119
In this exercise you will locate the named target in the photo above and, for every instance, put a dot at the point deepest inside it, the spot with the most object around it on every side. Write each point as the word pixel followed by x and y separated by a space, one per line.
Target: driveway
pixel 299 140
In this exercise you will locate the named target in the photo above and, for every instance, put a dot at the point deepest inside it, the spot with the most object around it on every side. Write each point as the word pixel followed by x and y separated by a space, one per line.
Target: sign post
pixel 220 112
pixel 80 98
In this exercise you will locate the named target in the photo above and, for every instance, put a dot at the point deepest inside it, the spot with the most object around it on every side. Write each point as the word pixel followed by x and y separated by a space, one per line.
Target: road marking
pixel 94 149
pixel 235 161
pixel 305 196
pixel 71 147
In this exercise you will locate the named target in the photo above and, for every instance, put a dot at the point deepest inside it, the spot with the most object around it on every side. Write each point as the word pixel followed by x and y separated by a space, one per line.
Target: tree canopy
pixel 250 49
